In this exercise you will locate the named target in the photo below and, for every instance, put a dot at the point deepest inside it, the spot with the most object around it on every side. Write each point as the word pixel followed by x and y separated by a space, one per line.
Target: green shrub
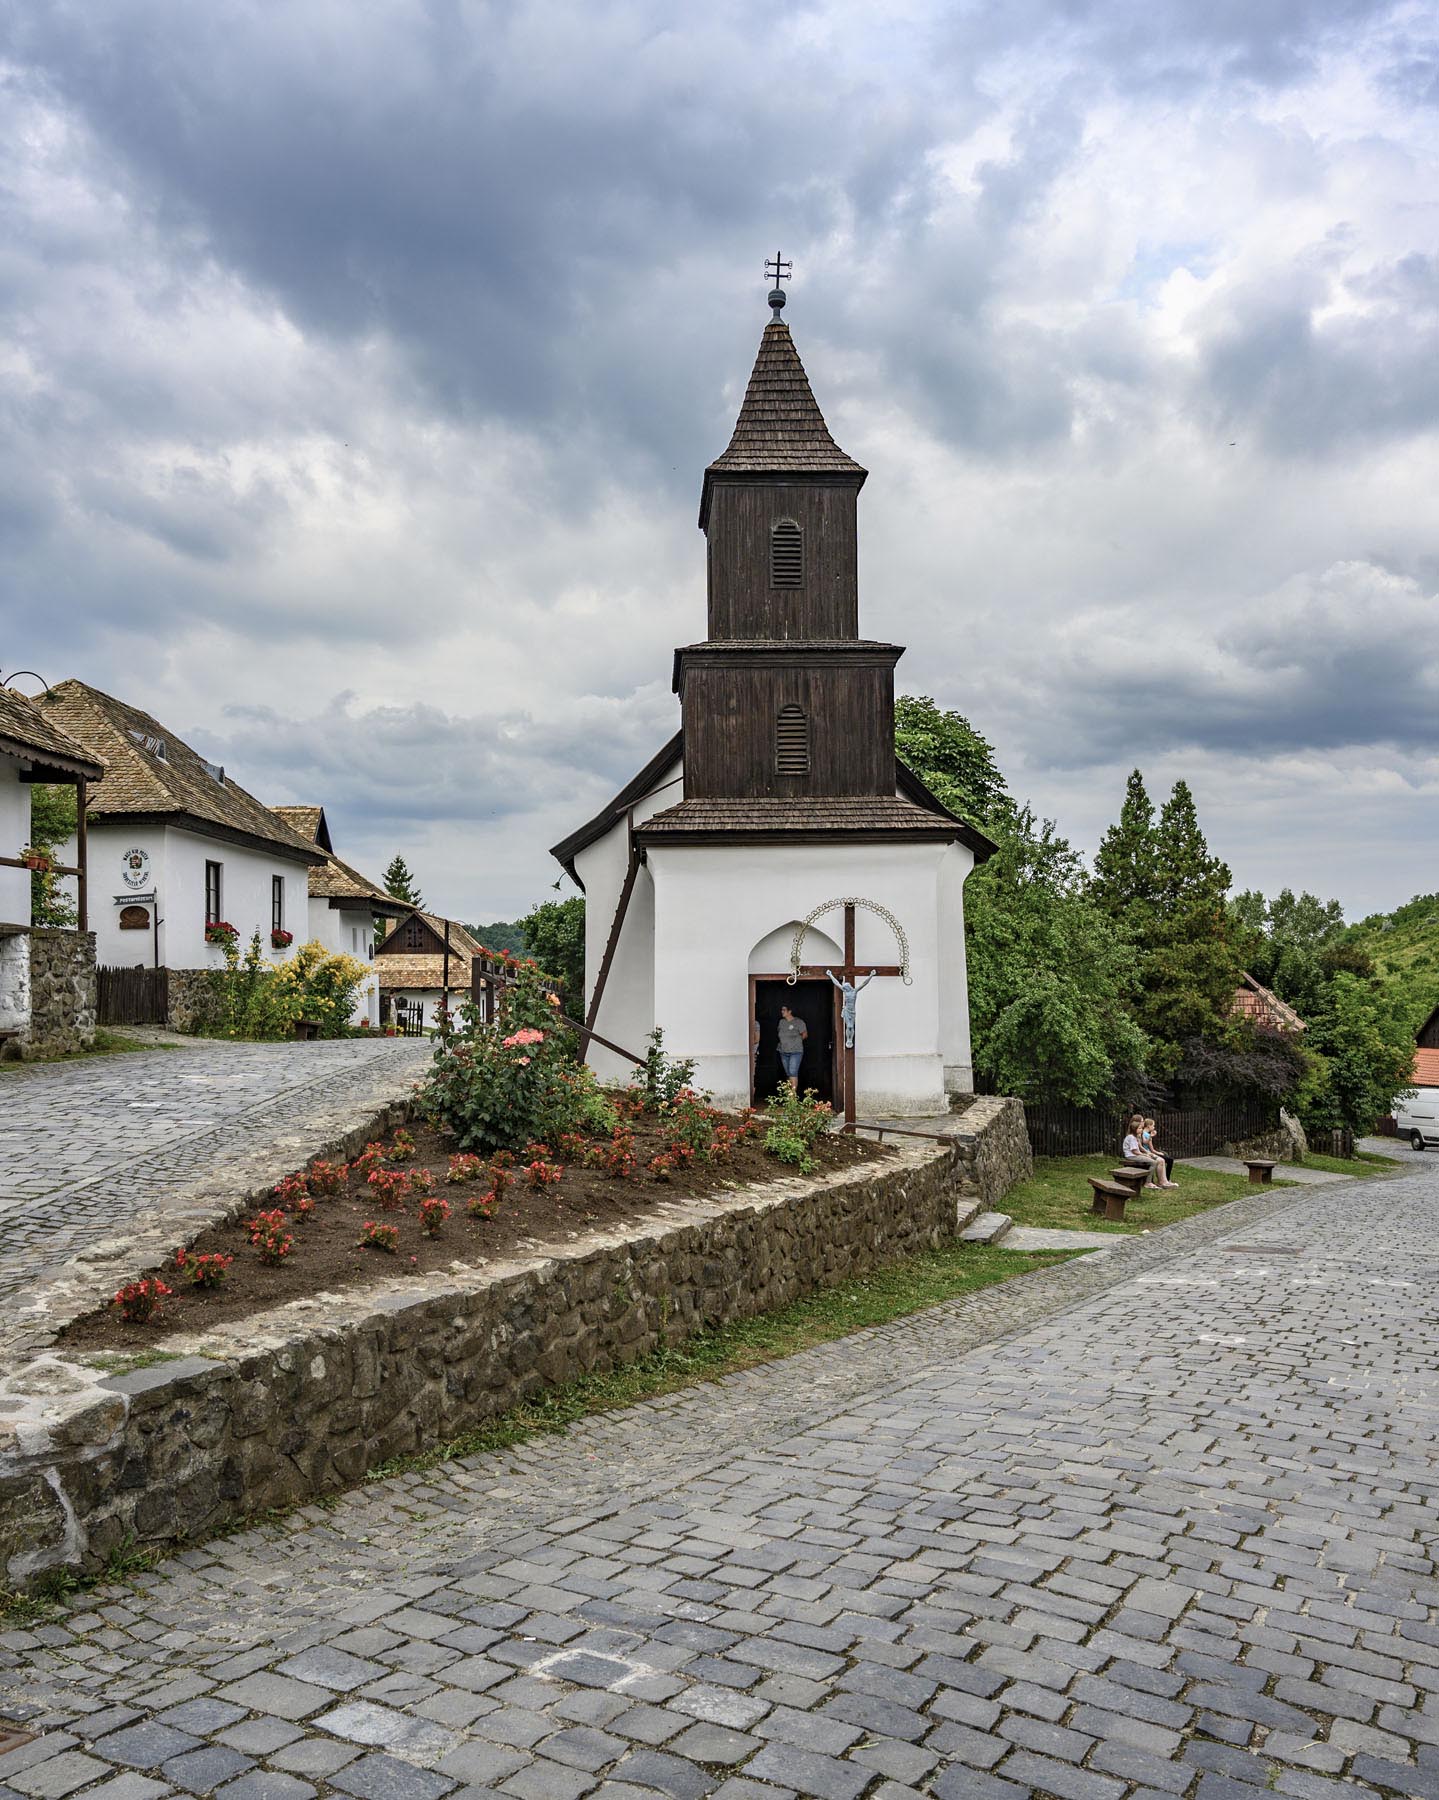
pixel 252 997
pixel 796 1120
pixel 662 1078
pixel 503 1085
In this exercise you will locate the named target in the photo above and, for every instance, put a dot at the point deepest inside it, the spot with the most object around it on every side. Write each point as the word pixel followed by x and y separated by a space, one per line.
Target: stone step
pixel 988 1228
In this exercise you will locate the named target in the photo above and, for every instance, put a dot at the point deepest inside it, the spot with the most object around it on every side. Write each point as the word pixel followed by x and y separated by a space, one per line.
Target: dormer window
pixel 791 741
pixel 786 555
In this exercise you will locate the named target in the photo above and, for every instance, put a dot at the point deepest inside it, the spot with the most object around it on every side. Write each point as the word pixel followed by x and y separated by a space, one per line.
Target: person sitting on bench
pixel 1146 1139
pixel 1135 1152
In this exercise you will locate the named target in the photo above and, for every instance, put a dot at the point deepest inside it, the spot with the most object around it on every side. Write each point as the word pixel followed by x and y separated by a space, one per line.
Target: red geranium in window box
pixel 280 939
pixel 223 933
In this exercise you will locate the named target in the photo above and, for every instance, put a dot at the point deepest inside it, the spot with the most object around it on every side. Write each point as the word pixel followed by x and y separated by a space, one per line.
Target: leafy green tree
pixel 400 883
pixel 52 820
pixel 953 760
pixel 555 937
pixel 503 934
pixel 1362 1047
pixel 1050 976
pixel 1294 943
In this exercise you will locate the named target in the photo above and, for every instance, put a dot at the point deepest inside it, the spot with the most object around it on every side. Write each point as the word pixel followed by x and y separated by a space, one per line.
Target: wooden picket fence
pixel 1059 1130
pixel 134 996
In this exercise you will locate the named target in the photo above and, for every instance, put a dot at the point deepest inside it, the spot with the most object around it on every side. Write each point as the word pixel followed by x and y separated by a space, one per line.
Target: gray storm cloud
pixel 359 368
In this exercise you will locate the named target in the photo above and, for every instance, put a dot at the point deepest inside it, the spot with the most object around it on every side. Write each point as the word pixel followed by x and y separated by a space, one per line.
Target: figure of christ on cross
pixel 845 978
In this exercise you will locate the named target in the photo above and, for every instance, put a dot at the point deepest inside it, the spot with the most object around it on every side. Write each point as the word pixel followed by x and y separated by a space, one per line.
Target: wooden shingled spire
pixel 780 429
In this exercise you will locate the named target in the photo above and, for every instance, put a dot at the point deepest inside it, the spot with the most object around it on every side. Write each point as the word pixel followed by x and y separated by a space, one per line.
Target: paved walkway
pixel 1176 1540
pixel 86 1145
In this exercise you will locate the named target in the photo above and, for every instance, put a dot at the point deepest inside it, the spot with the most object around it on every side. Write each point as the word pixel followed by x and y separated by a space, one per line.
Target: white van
pixel 1417 1118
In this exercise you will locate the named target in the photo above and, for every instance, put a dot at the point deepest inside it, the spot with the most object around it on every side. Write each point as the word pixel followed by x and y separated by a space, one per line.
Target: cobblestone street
pixel 86 1145
pixel 1175 1540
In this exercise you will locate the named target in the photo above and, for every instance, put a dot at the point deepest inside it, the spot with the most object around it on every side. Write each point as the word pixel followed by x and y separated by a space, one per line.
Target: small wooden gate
pixel 410 1018
pixel 136 996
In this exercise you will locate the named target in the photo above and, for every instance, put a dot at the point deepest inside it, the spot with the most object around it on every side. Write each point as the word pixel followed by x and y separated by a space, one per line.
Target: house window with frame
pixel 277 903
pixel 214 905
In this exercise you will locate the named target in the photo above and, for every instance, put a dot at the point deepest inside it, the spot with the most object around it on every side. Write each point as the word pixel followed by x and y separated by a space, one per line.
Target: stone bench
pixel 1109 1197
pixel 1261 1170
pixel 1131 1175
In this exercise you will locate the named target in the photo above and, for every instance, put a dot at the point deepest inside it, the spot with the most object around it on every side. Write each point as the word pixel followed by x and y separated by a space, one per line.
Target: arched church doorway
pixel 811 999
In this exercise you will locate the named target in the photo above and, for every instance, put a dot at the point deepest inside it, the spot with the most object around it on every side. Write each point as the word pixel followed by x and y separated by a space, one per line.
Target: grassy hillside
pixel 1405 947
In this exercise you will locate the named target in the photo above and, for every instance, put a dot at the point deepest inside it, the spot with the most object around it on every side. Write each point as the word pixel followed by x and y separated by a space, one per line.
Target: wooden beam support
pixel 82 857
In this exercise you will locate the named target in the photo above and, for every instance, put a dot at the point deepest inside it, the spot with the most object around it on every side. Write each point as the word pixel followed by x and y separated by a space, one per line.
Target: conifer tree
pixel 400 883
pixel 1126 865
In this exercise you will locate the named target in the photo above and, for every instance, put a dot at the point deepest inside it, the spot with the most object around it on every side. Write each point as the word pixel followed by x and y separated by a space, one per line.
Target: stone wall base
pixel 192 1004
pixel 63 1001
pixel 304 1400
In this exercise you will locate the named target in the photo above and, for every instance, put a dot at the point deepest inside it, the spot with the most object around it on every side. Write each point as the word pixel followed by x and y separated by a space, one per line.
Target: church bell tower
pixel 784 700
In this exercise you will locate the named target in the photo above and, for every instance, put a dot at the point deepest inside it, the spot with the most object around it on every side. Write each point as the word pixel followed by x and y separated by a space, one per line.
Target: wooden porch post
pixel 82 881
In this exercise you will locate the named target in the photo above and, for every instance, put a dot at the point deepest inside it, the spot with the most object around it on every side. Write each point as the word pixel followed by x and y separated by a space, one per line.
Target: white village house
pixel 422 957
pixel 345 906
pixel 779 802
pixel 176 844
pixel 47 974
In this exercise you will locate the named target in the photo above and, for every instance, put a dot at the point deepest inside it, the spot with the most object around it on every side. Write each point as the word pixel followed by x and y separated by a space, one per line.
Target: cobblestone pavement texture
pixel 1177 1539
pixel 85 1145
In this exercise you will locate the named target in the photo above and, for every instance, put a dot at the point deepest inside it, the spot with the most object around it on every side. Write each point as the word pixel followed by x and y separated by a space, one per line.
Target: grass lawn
pixel 1057 1195
pixel 1366 1163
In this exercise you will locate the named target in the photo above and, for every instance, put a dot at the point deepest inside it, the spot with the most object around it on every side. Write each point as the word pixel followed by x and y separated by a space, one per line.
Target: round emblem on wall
pixel 135 868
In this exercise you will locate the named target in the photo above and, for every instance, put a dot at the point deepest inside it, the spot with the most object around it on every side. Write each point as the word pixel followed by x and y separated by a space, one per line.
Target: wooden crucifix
pixel 849 977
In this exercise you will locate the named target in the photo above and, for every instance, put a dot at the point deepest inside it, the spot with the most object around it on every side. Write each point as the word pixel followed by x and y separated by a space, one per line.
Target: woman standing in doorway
pixel 792 1034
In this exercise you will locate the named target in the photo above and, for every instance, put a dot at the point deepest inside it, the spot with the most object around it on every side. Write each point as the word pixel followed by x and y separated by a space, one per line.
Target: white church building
pixel 723 882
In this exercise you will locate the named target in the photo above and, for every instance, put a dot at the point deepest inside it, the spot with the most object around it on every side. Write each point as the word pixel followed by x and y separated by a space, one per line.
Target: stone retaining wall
pixel 63 1000
pixel 191 1001
pixel 993 1146
pixel 305 1399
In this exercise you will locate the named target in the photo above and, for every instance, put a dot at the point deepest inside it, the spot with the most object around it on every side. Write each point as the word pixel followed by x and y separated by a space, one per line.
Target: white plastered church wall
pixel 714 903
pixel 627 1011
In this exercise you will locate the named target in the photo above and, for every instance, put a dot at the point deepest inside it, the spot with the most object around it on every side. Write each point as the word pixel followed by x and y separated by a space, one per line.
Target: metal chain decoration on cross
pixel 847 979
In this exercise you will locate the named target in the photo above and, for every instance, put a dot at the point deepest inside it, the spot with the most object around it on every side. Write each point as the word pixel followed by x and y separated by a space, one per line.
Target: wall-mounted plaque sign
pixel 134 918
pixel 135 868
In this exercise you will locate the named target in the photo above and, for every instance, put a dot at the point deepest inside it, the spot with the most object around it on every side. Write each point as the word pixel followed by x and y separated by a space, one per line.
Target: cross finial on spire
pixel 777 270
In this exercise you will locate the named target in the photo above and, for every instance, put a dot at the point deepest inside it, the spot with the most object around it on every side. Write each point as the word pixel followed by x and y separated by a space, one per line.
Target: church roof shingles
pixel 780 429
pixel 845 814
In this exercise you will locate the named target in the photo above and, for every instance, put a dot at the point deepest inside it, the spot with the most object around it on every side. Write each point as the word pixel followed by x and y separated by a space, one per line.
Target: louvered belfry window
pixel 791 746
pixel 786 555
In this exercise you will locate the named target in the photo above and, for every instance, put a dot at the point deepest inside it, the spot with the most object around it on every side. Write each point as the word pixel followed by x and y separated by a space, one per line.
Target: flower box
pixel 39 862
pixel 280 939
pixel 221 933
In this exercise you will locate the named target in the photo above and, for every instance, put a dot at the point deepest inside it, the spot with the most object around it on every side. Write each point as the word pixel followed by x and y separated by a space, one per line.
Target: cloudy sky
pixel 359 365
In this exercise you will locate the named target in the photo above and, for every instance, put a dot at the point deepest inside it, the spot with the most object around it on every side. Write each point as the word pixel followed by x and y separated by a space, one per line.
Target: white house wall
pixel 350 934
pixel 177 875
pixel 14 836
pixel 714 904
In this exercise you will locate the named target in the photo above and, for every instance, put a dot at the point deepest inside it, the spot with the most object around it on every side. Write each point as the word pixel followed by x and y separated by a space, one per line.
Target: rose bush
pixel 514 1081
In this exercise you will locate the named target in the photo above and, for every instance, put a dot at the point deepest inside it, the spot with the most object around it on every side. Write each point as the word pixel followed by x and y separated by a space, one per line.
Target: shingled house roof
pixel 26 733
pixel 780 430
pixel 1252 1000
pixel 151 773
pixel 333 879
pixel 462 941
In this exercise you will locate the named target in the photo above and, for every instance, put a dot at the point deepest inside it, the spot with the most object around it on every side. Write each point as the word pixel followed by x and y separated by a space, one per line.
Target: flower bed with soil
pixel 311 1237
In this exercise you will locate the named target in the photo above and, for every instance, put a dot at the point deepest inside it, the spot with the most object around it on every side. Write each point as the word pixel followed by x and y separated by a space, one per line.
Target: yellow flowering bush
pixel 255 998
